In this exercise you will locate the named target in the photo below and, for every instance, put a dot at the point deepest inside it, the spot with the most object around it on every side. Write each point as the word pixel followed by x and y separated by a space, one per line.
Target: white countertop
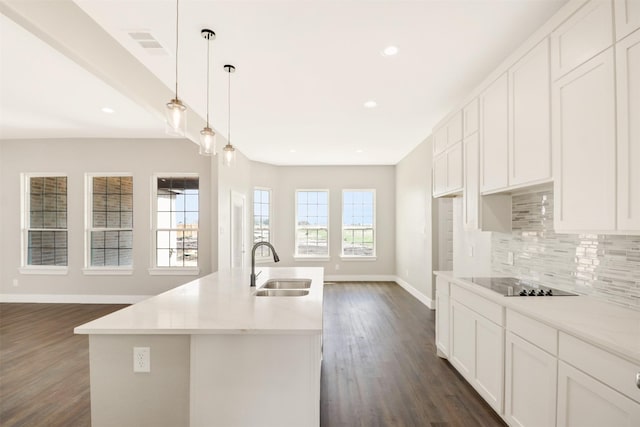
pixel 221 303
pixel 611 327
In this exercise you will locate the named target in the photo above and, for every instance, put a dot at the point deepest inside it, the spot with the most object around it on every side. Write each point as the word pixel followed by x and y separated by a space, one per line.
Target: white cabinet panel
pixel 471 118
pixel 530 384
pixel 585 402
pixel 439 140
pixel 463 340
pixel 442 316
pixel 584 138
pixel 471 190
pixel 440 174
pixel 581 37
pixel 490 362
pixel 454 167
pixel 454 129
pixel 530 109
pixel 628 86
pixel 627 17
pixel 494 135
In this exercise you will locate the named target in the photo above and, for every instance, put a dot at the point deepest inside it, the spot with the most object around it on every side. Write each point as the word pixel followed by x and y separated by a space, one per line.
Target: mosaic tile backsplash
pixel 604 266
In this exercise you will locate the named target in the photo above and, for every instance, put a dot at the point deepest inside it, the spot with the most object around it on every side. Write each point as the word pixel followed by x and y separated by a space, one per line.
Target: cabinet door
pixel 454 167
pixel 586 33
pixel 470 118
pixel 530 376
pixel 442 322
pixel 440 175
pixel 584 138
pixel 627 17
pixel 530 109
pixel 471 191
pixel 494 135
pixel 628 81
pixel 489 362
pixel 463 340
pixel 440 140
pixel 454 129
pixel 585 402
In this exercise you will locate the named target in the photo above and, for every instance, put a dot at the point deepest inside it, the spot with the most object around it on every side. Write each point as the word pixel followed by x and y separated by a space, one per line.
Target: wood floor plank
pixel 380 366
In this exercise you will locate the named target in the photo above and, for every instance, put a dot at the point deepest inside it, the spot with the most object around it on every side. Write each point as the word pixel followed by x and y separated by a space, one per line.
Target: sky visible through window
pixel 357 208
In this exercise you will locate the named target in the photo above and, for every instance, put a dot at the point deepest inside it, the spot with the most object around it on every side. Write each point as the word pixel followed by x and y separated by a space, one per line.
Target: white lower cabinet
pixel 586 402
pixel 477 352
pixel 442 317
pixel 530 384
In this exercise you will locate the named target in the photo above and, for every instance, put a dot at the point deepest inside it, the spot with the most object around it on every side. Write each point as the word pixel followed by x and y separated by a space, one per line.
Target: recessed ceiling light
pixel 292 151
pixel 359 151
pixel 390 51
pixel 108 110
pixel 370 104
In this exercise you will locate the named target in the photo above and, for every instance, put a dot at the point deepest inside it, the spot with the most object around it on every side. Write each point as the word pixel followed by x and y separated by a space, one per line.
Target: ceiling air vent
pixel 146 41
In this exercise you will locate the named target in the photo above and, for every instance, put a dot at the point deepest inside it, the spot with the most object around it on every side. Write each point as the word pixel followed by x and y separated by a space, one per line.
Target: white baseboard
pixel 360 278
pixel 72 298
pixel 415 293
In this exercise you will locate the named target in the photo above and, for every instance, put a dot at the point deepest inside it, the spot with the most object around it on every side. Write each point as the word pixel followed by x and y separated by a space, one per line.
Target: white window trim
pixel 263 259
pixel 88 269
pixel 24 230
pixel 303 257
pixel 153 269
pixel 375 229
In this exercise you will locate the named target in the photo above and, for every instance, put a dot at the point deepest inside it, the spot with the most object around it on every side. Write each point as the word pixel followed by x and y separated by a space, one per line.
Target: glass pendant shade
pixel 228 155
pixel 176 115
pixel 207 142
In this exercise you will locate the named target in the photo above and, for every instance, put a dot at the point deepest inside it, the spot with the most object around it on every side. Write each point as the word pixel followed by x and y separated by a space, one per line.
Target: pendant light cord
pixel 208 94
pixel 229 119
pixel 177 15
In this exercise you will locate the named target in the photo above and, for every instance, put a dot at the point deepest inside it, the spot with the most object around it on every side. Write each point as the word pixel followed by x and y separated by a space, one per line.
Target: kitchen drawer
pixel 612 370
pixel 533 331
pixel 480 305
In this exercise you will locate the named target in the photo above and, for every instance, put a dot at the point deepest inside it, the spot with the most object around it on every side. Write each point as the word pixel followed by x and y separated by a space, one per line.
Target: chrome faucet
pixel 276 258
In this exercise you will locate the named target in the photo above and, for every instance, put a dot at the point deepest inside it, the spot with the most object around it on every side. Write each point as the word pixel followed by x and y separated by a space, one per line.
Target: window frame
pixel 154 269
pixel 304 257
pixel 25 226
pixel 88 228
pixel 372 257
pixel 268 258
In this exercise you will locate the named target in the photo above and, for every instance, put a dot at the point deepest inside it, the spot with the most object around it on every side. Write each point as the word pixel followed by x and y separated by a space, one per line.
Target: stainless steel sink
pixel 287 284
pixel 281 293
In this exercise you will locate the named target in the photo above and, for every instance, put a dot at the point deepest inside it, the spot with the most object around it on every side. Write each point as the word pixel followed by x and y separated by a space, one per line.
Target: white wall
pixel 284 180
pixel 413 221
pixel 75 157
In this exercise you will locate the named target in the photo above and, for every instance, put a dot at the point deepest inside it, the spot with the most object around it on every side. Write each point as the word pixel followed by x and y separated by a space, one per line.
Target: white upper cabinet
pixel 448 134
pixel 627 17
pixel 447 171
pixel 586 33
pixel 584 138
pixel 471 194
pixel 530 127
pixel 471 118
pixel 494 135
pixel 628 85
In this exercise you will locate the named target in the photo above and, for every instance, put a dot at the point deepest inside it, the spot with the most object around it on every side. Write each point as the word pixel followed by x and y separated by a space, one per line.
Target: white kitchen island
pixel 220 355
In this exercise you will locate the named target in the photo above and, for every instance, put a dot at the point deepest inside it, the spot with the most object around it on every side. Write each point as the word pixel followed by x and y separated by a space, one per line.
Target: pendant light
pixel 176 113
pixel 207 135
pixel 229 152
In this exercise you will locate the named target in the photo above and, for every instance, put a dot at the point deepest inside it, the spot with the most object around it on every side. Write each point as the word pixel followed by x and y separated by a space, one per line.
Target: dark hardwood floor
pixel 380 366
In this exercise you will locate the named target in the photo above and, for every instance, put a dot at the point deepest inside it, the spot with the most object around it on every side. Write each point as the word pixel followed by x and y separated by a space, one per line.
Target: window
pixel 110 219
pixel 358 223
pixel 176 221
pixel 312 223
pixel 45 221
pixel 262 220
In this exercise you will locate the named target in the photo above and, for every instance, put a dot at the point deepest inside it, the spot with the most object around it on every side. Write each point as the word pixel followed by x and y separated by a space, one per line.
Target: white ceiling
pixel 304 70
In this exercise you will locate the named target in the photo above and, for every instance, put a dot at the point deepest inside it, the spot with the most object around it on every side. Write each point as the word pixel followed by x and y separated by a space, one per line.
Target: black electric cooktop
pixel 512 287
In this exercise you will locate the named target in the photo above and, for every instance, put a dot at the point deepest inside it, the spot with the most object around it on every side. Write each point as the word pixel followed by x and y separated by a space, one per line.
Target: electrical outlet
pixel 15 283
pixel 470 251
pixel 510 258
pixel 337 266
pixel 141 359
